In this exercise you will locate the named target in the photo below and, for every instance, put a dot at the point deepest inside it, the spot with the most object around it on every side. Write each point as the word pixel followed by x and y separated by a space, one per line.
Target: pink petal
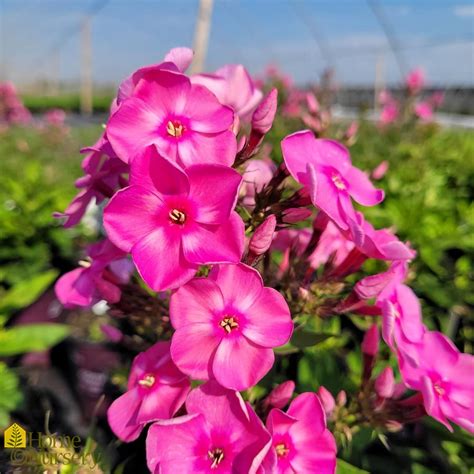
pixel 192 349
pixel 109 292
pixel 240 284
pixel 131 215
pixel 160 262
pixel 132 128
pixel 149 168
pixel 298 149
pixel 178 453
pixel 75 288
pixel 269 321
pixel 121 416
pixel 239 363
pixel 361 189
pixel 181 56
pixel 162 402
pixel 279 422
pixel 215 189
pixel 195 302
pixel 332 153
pixel 224 243
pixel 206 113
pixel 308 409
pixel 164 91
pixel 207 148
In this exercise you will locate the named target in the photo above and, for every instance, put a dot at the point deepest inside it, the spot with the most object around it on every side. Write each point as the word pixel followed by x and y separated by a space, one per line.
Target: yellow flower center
pixel 177 216
pixel 228 324
pixel 174 129
pixel 281 450
pixel 148 381
pixel 337 180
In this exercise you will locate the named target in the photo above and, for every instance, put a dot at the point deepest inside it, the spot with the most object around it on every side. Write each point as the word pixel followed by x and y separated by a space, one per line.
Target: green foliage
pixel 10 394
pixel 67 102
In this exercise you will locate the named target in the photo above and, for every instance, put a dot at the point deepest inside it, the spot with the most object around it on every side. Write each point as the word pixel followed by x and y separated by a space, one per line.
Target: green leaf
pixel 26 292
pixel 306 338
pixel 344 467
pixel 10 394
pixel 30 338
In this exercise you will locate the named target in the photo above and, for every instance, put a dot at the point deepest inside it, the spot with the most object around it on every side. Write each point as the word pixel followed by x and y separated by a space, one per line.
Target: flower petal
pixel 239 363
pixel 361 189
pixel 121 416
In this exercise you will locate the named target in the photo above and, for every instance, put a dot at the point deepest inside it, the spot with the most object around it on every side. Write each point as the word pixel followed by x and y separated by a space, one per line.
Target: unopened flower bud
pixel 280 395
pixel 370 343
pixel 262 238
pixel 264 114
pixel 385 383
pixel 111 332
pixel 327 400
pixel 341 398
pixel 295 214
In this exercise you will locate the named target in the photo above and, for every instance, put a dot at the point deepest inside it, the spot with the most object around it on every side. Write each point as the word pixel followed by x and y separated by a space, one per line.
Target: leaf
pixel 306 338
pixel 30 338
pixel 344 467
pixel 27 291
pixel 10 394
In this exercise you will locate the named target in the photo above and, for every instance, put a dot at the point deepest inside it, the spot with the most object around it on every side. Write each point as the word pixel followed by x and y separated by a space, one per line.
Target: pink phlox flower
pixel 55 117
pixel 256 175
pixel 380 170
pixel 444 376
pixel 156 390
pixel 324 167
pixel 98 278
pixel 227 325
pixel 424 111
pixel 220 434
pixel 300 440
pixel 172 221
pixel 415 80
pixel 234 87
pixel 185 122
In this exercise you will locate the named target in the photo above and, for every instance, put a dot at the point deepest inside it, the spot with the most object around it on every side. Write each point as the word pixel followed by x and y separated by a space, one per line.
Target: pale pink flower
pixel 424 111
pixel 226 326
pixel 444 377
pixel 185 122
pixel 172 221
pixel 262 118
pixel 402 320
pixel 415 80
pixel 389 113
pixel 327 400
pixel 233 86
pixel 300 440
pixel 156 390
pixel 256 175
pixel 385 383
pixel 55 117
pixel 325 168
pixel 220 434
pixel 380 170
pixel 96 279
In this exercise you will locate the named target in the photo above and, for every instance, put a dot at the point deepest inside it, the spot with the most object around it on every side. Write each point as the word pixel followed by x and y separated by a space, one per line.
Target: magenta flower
pixel 220 434
pixel 156 390
pixel 300 440
pixel 444 377
pixel 226 326
pixel 173 221
pixel 98 278
pixel 389 113
pixel 234 87
pixel 256 175
pixel 325 168
pixel 185 122
pixel 415 80
pixel 424 111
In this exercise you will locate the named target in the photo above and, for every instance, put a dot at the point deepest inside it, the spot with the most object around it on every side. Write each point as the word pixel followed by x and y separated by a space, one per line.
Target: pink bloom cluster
pixel 174 174
pixel 12 110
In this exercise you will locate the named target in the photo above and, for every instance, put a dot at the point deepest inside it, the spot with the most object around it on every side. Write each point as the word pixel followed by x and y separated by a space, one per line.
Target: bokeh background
pixel 66 59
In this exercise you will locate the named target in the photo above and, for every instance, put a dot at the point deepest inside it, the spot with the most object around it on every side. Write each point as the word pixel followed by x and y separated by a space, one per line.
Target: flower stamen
pixel 337 180
pixel 216 455
pixel 175 129
pixel 281 450
pixel 177 216
pixel 148 381
pixel 228 324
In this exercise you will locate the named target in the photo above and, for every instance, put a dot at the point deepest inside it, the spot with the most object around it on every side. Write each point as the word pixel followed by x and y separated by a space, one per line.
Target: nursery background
pixel 341 70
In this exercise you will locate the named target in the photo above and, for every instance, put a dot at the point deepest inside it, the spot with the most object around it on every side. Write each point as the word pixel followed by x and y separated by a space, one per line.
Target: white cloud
pixel 464 10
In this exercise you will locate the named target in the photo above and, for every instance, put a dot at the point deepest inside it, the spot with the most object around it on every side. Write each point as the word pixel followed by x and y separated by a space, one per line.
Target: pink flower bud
pixel 111 332
pixel 263 116
pixel 262 238
pixel 312 102
pixel 327 400
pixel 341 398
pixel 370 343
pixel 380 171
pixel 294 214
pixel 280 395
pixel 385 383
pixel 352 130
pixel 303 293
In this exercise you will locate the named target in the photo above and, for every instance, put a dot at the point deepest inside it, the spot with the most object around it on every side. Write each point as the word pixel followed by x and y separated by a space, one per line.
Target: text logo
pixel 15 437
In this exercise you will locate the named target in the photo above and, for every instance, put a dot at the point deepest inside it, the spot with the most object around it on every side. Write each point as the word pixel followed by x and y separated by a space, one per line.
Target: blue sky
pixel 437 35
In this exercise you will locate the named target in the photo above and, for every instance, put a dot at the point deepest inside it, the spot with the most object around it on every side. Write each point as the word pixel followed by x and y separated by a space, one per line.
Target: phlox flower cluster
pixel 193 212
pixel 12 109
